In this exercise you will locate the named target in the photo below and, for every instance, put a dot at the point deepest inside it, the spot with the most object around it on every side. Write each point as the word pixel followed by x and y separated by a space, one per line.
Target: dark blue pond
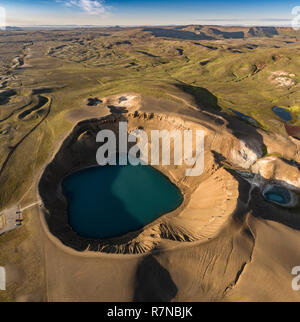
pixel 282 113
pixel 113 200
pixel 245 117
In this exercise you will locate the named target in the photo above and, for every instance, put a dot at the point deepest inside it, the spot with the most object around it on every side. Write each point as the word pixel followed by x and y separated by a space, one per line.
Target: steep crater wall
pixel 209 199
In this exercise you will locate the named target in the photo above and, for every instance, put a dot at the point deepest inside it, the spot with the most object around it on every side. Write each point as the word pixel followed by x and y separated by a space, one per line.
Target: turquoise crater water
pixel 111 201
pixel 278 194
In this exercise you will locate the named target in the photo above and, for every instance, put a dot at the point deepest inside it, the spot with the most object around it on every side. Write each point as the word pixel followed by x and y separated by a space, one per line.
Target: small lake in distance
pixel 282 113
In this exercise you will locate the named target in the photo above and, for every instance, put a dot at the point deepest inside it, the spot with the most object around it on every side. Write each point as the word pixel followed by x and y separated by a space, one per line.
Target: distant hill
pixel 204 32
pixel 184 32
pixel 263 31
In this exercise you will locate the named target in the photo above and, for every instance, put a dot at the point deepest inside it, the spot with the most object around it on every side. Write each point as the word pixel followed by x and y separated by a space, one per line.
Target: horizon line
pixel 149 25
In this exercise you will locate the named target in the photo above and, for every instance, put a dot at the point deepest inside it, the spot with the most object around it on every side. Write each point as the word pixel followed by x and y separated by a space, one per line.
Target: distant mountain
pixel 204 32
pixel 184 32
pixel 263 31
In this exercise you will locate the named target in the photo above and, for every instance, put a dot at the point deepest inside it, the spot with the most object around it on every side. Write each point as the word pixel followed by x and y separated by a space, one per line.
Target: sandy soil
pixel 199 271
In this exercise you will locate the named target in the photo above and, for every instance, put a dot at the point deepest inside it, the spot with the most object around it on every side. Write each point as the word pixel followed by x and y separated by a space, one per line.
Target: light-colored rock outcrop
pixel 274 168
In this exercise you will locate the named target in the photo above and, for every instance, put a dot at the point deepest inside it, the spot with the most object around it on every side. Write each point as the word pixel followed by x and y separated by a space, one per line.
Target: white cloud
pixel 92 7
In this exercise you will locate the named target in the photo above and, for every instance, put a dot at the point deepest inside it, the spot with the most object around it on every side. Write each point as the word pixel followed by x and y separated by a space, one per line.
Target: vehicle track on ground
pixel 23 139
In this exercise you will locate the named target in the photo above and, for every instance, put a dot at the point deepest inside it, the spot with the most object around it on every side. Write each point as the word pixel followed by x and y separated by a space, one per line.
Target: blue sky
pixel 148 12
